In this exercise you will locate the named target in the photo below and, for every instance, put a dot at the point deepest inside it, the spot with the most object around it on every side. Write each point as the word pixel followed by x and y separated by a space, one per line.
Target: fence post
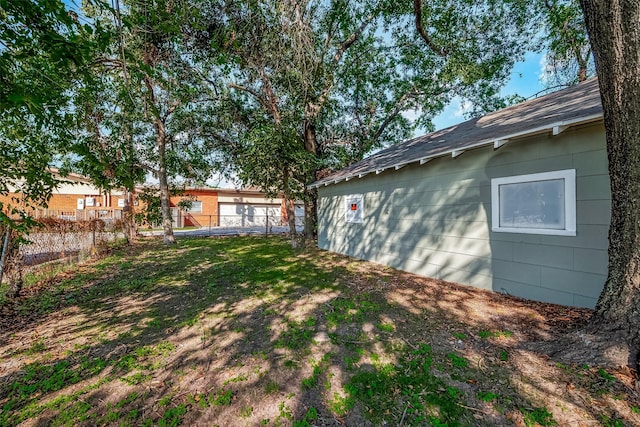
pixel 266 224
pixel 7 231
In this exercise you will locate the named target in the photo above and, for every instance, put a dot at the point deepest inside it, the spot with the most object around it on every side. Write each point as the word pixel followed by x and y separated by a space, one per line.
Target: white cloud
pixel 412 115
pixel 545 70
pixel 463 106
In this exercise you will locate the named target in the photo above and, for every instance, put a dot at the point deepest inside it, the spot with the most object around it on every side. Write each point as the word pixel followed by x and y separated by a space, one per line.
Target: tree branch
pixel 417 11
pixel 152 98
pixel 172 108
pixel 250 91
pixel 148 168
pixel 271 98
pixel 312 109
pixel 349 41
pixel 221 138
pixel 399 106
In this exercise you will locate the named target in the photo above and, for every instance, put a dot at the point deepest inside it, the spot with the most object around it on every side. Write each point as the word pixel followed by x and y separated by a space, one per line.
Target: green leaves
pixel 44 56
pixel 568 50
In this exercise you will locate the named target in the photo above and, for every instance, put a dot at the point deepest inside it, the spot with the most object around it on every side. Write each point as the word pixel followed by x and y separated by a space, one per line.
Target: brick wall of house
pixel 209 214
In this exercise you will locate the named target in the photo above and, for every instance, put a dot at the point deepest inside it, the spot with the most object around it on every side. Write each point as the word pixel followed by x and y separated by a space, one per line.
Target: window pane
pixel 353 208
pixel 196 207
pixel 535 204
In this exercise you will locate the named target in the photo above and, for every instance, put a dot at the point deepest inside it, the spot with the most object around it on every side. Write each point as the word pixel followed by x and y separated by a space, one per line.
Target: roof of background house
pixel 554 113
pixel 226 191
pixel 70 177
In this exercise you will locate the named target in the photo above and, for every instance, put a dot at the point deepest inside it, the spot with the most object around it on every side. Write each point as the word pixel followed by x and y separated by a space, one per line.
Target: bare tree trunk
pixel 582 69
pixel 310 215
pixel 128 220
pixel 165 207
pixel 311 199
pixel 11 262
pixel 615 39
pixel 4 251
pixel 289 206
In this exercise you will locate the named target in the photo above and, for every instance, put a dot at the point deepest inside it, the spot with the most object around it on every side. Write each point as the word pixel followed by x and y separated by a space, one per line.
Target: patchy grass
pixel 247 331
pixel 411 384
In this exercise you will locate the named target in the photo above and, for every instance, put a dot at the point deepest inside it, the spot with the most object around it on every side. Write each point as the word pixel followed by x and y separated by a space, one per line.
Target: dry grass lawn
pixel 248 332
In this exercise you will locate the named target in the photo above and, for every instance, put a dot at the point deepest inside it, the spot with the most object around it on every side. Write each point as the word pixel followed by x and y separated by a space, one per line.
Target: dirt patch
pixel 246 331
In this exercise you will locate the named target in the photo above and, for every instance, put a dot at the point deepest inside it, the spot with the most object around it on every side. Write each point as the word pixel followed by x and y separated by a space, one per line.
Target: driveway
pixel 223 231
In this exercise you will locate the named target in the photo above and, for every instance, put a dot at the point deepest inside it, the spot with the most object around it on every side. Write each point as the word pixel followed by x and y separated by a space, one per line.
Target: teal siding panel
pixel 543 255
pixel 435 220
pixel 590 261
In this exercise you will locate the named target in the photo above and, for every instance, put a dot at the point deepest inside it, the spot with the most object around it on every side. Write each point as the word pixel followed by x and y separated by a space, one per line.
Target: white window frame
pixel 569 177
pixel 350 215
pixel 193 203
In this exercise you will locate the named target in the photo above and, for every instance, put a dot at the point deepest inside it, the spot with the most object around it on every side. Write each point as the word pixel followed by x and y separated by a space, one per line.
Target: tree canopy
pixel 318 85
pixel 143 108
pixel 568 52
pixel 44 50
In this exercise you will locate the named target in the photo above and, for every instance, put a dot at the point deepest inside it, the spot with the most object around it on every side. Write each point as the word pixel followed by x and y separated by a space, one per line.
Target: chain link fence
pixel 213 223
pixel 52 239
pixel 56 238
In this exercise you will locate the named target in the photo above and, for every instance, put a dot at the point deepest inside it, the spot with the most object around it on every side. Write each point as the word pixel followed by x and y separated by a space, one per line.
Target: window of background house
pixel 539 203
pixel 196 207
pixel 354 208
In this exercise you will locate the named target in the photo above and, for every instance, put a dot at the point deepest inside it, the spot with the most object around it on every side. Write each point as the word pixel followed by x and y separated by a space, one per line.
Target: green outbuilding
pixel 517 201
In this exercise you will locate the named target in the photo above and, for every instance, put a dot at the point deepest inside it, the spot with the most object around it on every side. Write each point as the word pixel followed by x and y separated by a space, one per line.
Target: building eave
pixel 554 128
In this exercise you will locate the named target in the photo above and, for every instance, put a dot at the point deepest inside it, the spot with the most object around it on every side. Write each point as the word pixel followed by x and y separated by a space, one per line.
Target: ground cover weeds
pixel 409 384
pixel 247 331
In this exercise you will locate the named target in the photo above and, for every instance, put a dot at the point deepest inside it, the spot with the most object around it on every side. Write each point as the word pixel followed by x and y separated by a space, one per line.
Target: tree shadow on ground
pixel 246 331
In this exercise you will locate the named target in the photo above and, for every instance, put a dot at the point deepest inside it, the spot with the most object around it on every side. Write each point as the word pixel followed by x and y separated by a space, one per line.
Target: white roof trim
pixel 530 132
pixel 497 143
pixel 557 130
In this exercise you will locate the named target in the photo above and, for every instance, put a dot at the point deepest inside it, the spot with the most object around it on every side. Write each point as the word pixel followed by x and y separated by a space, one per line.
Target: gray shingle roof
pixel 550 113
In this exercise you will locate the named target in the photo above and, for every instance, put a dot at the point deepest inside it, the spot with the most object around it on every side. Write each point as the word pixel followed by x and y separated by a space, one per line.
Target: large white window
pixel 354 208
pixel 539 203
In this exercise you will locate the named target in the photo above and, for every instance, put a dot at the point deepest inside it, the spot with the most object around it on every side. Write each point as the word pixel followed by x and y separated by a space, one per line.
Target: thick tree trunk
pixel 310 214
pixel 615 39
pixel 165 207
pixel 311 196
pixel 130 229
pixel 289 206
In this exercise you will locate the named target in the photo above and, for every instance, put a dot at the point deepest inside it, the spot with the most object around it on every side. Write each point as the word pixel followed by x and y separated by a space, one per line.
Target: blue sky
pixel 525 81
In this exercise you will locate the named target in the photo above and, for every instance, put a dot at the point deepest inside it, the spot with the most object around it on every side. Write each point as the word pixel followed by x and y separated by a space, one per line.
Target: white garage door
pixel 246 215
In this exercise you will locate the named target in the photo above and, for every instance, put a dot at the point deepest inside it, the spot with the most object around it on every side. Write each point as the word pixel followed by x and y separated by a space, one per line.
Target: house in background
pixel 213 207
pixel 517 201
pixel 76 199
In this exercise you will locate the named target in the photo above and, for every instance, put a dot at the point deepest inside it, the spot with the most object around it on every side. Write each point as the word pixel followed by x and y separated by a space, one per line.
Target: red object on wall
pixel 354 206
